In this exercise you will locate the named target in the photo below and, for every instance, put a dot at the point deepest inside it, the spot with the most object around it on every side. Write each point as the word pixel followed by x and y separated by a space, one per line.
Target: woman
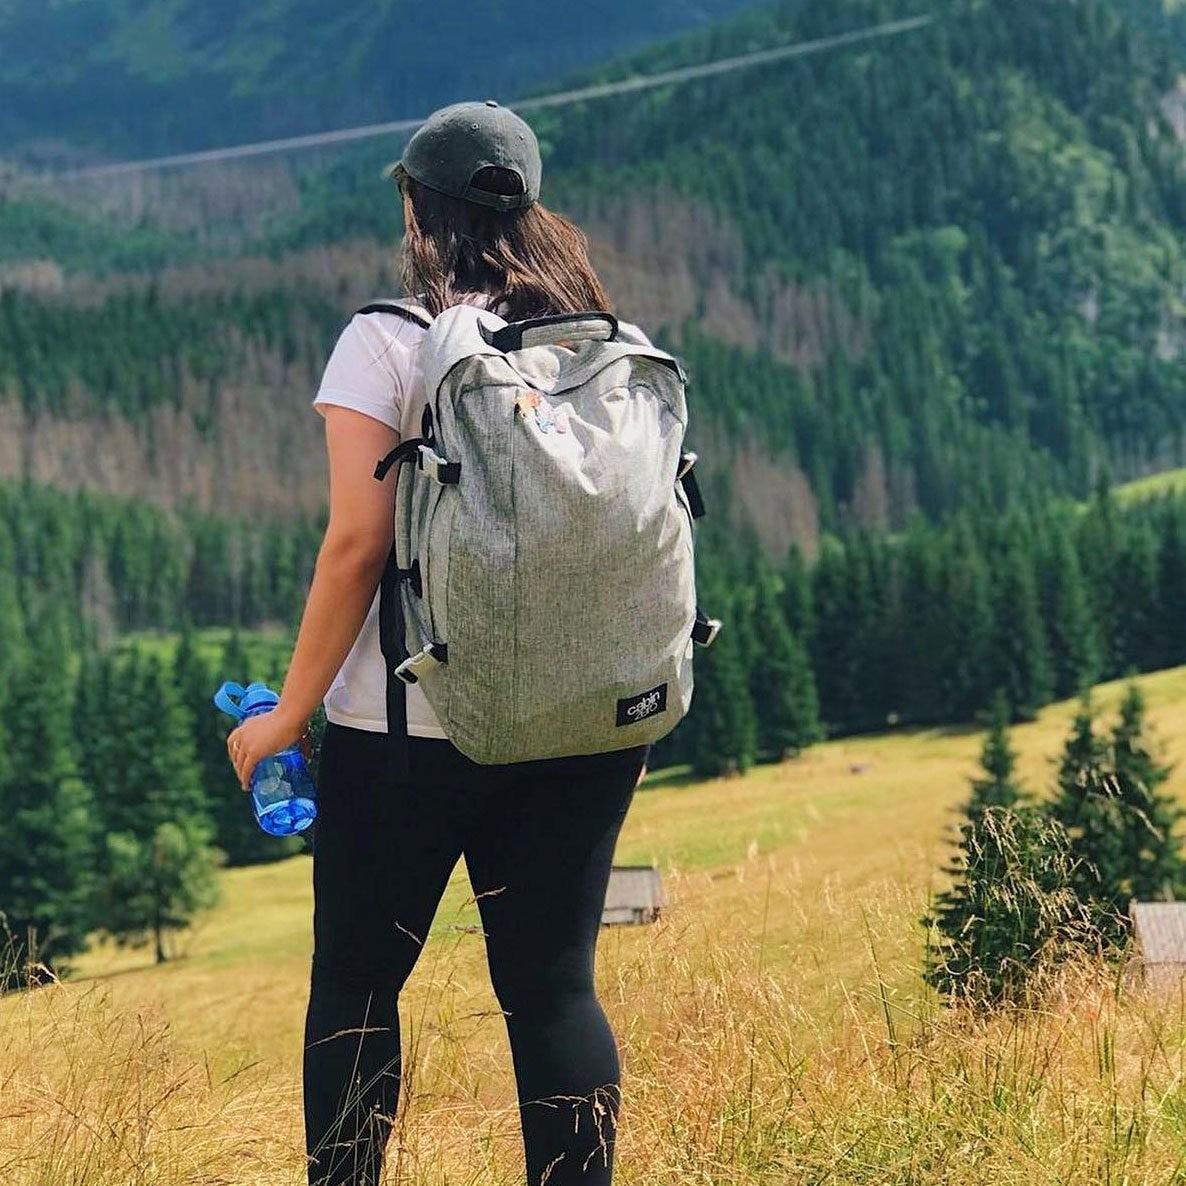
pixel 537 837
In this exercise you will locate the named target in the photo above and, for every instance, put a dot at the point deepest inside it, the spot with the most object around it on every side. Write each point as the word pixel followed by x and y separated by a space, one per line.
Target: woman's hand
pixel 349 565
pixel 259 738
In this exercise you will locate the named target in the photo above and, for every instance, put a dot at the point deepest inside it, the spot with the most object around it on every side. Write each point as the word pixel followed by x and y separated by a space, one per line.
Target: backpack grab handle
pixel 548 331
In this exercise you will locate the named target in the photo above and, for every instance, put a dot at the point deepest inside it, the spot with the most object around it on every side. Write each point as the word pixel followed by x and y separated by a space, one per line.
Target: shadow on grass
pixel 670 776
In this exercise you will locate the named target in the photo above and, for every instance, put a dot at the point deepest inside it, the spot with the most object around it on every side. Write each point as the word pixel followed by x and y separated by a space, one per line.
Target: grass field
pixel 1172 481
pixel 773 1027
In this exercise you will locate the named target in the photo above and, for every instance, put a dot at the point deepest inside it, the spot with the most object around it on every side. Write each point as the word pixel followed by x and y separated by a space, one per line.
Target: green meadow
pixel 773 1024
pixel 1170 482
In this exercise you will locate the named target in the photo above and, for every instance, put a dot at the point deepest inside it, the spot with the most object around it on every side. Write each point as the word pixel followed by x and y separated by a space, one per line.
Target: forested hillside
pixel 981 222
pixel 929 290
pixel 938 274
pixel 933 272
pixel 107 77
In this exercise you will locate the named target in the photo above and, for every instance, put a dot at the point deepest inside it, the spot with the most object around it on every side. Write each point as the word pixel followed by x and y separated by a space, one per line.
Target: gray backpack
pixel 541 589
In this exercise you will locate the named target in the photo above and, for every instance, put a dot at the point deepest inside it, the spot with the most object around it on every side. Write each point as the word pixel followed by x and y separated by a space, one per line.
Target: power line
pixel 725 65
pixel 559 98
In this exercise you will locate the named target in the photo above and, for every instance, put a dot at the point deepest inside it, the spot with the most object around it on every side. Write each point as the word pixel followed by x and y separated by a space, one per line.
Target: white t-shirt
pixel 375 369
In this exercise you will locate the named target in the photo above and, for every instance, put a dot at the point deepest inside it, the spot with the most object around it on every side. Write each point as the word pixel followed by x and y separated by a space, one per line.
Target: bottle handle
pixel 227 698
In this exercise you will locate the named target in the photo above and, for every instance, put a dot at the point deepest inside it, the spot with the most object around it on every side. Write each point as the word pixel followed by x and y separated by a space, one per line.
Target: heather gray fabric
pixel 558 571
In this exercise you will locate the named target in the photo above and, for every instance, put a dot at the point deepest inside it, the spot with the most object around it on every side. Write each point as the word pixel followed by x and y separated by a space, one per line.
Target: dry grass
pixel 773 1027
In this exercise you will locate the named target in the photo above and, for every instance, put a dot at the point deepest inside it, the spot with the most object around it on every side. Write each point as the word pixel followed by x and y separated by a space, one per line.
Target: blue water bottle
pixel 281 788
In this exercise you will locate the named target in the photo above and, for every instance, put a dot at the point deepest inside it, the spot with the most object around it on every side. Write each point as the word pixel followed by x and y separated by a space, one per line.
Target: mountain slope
pixel 915 275
pixel 150 76
pixel 991 213
pixel 1162 19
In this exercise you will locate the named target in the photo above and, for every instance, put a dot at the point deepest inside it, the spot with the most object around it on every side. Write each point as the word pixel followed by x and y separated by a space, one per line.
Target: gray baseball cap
pixel 453 144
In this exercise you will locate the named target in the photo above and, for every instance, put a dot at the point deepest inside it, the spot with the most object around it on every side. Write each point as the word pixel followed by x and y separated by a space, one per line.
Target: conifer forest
pixel 930 293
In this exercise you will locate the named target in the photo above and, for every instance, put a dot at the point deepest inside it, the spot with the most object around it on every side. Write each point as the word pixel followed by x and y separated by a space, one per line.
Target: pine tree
pixel 1075 648
pixel 781 683
pixel 798 609
pixel 1136 598
pixel 1010 915
pixel 1099 543
pixel 129 761
pixel 996 380
pixel 1121 829
pixel 155 785
pixel 155 884
pixel 97 720
pixel 1020 659
pixel 1154 866
pixel 235 662
pixel 1171 581
pixel 12 618
pixel 997 787
pixel 845 639
pixel 921 626
pixel 967 641
pixel 1076 803
pixel 1083 753
pixel 48 837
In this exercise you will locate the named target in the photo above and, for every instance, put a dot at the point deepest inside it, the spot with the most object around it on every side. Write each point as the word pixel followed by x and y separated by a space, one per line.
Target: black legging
pixel 538 839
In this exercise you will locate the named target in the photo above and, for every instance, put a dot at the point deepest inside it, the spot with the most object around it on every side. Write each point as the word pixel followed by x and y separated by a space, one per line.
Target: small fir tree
pixel 997 787
pixel 1082 754
pixel 1122 830
pixel 155 884
pixel 1153 867
pixel 1011 915
pixel 1081 808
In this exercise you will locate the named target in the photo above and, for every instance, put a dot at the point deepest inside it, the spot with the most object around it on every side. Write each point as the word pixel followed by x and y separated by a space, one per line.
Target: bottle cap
pixel 237 701
pixel 258 696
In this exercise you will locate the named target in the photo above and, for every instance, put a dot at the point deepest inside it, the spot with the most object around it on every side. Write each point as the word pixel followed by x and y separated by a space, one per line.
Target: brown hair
pixel 534 260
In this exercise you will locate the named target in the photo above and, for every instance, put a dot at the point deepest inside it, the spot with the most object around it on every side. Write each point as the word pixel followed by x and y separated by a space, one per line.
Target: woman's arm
pixel 349 565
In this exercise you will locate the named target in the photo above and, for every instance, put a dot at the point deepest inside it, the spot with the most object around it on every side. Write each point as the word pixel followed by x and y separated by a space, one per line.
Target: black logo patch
pixel 638 708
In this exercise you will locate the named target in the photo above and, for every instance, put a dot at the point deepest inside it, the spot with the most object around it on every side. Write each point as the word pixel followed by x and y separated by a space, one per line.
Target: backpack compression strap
pixel 393 633
pixel 687 479
pixel 393 644
pixel 704 629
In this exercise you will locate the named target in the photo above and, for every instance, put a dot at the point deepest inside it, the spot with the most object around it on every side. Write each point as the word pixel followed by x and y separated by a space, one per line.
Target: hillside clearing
pixel 1172 481
pixel 752 1018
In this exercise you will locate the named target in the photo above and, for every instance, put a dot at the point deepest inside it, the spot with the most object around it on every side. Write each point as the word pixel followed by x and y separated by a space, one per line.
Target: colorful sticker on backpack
pixel 530 404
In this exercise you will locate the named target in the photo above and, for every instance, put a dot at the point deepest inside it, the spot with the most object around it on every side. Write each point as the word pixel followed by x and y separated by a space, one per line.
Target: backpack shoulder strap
pixel 408 310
